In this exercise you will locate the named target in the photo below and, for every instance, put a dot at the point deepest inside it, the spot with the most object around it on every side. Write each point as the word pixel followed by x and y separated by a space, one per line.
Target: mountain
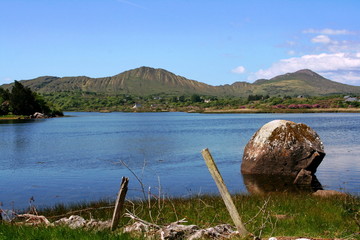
pixel 147 81
pixel 303 82
pixel 139 81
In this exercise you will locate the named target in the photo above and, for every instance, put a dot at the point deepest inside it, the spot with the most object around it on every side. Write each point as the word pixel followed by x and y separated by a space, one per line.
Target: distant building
pixel 137 105
pixel 351 99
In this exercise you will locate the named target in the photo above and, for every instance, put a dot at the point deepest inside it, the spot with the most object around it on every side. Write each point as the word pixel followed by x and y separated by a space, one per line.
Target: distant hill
pixel 147 81
pixel 139 81
pixel 303 82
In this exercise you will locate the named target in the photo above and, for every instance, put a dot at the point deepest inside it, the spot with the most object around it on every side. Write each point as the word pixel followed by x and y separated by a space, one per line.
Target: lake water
pixel 71 159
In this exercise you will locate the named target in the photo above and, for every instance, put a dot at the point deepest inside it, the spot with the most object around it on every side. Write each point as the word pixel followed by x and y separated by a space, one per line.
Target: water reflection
pixel 14 121
pixel 64 160
pixel 262 184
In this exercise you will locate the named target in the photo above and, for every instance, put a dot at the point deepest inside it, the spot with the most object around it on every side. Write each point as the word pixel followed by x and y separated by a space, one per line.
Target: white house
pixel 137 105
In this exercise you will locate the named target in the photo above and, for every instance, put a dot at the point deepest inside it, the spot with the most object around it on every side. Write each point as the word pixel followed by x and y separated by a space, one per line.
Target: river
pixel 78 158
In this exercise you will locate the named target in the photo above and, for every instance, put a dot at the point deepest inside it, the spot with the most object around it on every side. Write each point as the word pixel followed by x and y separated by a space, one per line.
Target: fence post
pixel 224 192
pixel 119 204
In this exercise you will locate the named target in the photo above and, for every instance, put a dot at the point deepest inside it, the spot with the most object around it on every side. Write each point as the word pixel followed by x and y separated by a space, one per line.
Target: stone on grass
pixel 75 221
pixel 175 231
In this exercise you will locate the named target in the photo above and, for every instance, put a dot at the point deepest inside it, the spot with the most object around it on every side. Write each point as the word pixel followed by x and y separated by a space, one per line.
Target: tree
pixel 4 101
pixel 43 105
pixel 23 101
pixel 4 95
pixel 195 98
pixel 174 99
pixel 182 98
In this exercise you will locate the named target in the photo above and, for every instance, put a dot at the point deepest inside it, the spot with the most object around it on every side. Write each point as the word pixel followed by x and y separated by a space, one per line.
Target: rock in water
pixel 285 148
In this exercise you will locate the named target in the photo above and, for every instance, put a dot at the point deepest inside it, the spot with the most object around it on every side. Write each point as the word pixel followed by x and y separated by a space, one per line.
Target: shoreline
pixel 312 110
pixel 13 117
pixel 222 111
pixel 21 117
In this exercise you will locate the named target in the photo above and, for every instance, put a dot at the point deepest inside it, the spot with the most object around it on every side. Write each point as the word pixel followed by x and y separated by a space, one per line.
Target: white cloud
pixel 325 41
pixel 321 39
pixel 238 70
pixel 344 46
pixel 291 43
pixel 291 52
pixel 328 31
pixel 329 52
pixel 348 77
pixel 340 67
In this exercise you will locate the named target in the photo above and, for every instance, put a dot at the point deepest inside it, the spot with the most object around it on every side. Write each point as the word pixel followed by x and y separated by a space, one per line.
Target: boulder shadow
pixel 263 184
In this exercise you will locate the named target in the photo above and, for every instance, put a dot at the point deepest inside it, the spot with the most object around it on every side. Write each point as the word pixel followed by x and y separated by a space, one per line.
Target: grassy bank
pixel 41 233
pixel 12 117
pixel 265 216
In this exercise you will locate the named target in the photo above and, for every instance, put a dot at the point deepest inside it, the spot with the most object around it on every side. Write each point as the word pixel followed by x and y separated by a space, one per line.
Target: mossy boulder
pixel 284 148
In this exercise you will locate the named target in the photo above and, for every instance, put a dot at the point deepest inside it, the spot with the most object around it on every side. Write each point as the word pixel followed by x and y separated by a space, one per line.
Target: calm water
pixel 78 158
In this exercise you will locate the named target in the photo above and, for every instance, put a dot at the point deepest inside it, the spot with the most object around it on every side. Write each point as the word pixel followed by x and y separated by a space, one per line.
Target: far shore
pixel 232 110
pixel 310 110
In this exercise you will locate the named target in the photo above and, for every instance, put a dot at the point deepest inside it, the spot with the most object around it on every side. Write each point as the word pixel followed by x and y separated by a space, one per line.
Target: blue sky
pixel 213 41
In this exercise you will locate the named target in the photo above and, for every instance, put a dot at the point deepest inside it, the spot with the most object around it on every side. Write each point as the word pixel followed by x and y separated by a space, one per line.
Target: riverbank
pixel 310 110
pixel 13 117
pixel 22 117
pixel 264 216
pixel 237 110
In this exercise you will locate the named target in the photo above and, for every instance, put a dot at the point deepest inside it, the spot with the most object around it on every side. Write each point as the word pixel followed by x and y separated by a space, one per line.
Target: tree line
pixel 91 101
pixel 22 101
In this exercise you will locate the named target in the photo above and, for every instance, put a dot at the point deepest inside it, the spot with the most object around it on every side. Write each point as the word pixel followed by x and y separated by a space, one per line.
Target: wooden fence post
pixel 224 192
pixel 119 204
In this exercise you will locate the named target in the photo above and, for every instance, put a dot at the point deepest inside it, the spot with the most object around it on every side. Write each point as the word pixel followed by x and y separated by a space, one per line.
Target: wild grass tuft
pixel 265 216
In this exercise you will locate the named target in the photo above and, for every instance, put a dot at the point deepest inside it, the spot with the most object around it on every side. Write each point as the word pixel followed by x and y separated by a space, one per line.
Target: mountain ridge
pixel 148 81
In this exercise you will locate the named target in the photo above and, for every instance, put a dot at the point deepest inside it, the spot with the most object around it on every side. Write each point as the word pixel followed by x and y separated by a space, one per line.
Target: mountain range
pixel 149 81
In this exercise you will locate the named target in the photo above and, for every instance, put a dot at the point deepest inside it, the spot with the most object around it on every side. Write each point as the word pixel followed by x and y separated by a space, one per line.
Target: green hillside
pixel 303 82
pixel 140 81
pixel 145 81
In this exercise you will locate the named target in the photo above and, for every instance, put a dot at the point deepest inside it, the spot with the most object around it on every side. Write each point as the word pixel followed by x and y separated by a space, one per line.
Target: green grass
pixel 11 117
pixel 270 215
pixel 13 232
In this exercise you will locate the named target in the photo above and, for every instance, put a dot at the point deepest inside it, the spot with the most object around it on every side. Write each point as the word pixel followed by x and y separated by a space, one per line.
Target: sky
pixel 212 41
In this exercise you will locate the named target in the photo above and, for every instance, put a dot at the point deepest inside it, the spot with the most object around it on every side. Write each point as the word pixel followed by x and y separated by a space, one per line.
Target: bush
pixel 304 106
pixel 293 106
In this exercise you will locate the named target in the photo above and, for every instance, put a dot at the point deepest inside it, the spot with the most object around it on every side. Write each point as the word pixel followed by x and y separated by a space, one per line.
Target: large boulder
pixel 284 148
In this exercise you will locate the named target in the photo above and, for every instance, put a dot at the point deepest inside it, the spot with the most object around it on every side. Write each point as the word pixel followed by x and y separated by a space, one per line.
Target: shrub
pixel 293 106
